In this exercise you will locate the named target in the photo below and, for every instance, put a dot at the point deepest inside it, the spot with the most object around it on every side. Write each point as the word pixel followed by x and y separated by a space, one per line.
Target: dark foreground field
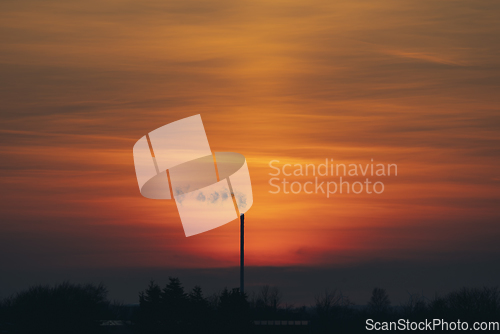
pixel 70 308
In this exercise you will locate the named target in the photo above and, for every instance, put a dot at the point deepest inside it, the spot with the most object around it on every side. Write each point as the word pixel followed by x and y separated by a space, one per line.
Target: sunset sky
pixel 412 83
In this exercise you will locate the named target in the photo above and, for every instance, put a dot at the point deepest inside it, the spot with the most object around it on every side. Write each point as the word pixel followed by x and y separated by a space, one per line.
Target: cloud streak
pixel 407 82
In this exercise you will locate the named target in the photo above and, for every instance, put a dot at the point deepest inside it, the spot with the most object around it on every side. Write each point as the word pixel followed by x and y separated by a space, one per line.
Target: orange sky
pixel 408 82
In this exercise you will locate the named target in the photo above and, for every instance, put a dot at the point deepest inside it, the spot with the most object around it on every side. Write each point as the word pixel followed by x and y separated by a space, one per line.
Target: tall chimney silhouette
pixel 242 253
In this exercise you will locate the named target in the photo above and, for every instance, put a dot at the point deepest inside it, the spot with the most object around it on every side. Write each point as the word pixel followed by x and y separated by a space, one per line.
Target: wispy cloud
pixel 407 82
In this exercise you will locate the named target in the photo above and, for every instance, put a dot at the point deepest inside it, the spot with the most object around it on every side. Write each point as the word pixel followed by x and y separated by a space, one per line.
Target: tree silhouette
pixel 234 312
pixel 379 302
pixel 269 298
pixel 174 305
pixel 415 307
pixel 478 304
pixel 150 311
pixel 331 309
pixel 64 308
pixel 200 315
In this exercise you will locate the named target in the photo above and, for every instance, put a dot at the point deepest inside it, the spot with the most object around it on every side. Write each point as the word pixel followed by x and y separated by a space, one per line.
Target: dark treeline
pixel 169 308
pixel 64 308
